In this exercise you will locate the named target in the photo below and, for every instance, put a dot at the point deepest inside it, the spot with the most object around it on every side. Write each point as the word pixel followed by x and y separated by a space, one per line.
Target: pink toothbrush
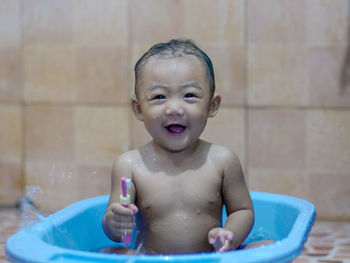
pixel 125 201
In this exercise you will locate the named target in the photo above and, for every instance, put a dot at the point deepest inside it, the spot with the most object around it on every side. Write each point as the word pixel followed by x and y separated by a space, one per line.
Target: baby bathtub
pixel 73 232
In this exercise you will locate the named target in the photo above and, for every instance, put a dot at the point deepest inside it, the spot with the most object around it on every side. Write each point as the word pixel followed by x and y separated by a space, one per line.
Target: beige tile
pixel 277 75
pixel 94 180
pixel 136 50
pixel 229 69
pixel 276 21
pixel 10 182
pixel 227 128
pixel 101 134
pixel 10 74
pixel 154 21
pixel 49 133
pixel 102 23
pixel 325 82
pixel 10 154
pixel 327 22
pixel 330 194
pixel 139 134
pixel 102 75
pixel 277 139
pixel 328 140
pixel 55 181
pixel 10 23
pixel 214 21
pixel 10 134
pixel 283 181
pixel 49 73
pixel 47 22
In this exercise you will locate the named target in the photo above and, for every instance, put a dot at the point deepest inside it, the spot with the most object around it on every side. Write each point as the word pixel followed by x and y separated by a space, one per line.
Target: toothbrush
pixel 125 201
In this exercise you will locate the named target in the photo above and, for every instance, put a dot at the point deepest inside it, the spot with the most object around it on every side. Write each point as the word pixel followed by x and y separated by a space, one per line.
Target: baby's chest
pixel 159 192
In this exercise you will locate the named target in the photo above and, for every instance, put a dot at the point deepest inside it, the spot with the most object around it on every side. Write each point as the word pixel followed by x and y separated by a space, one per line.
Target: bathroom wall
pixel 66 77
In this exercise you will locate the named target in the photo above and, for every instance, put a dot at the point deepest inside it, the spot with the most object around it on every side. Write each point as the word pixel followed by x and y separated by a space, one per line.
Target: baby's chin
pixel 178 147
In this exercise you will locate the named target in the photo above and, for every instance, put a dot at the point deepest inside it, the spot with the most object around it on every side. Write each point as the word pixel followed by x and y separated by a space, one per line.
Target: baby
pixel 179 182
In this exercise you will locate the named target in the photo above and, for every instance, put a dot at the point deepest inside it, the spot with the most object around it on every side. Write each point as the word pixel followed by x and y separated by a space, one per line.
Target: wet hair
pixel 172 49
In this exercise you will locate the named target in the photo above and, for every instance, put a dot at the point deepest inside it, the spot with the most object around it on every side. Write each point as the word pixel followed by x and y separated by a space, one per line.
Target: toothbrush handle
pixel 126 238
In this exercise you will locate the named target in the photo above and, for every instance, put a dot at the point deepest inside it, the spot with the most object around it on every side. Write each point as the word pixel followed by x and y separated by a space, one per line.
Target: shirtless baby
pixel 179 182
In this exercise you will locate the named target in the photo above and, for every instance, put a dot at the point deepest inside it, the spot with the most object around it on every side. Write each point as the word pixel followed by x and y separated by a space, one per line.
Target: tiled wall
pixel 66 76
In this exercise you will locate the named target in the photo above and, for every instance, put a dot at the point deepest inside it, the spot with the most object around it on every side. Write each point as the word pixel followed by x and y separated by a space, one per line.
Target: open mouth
pixel 175 129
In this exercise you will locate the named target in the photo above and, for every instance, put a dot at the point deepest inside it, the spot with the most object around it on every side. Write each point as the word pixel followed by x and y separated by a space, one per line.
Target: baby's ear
pixel 214 105
pixel 136 108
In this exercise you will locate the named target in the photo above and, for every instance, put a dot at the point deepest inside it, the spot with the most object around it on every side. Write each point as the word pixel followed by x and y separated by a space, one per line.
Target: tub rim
pixel 281 251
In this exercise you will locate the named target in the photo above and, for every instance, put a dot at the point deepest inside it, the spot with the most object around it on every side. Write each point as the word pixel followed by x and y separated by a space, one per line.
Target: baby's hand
pixel 120 220
pixel 221 239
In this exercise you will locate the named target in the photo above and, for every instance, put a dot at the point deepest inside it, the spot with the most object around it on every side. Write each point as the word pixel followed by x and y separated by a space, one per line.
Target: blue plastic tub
pixel 71 234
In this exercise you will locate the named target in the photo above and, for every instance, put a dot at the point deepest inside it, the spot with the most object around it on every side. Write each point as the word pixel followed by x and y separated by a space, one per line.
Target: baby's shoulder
pixel 127 159
pixel 222 155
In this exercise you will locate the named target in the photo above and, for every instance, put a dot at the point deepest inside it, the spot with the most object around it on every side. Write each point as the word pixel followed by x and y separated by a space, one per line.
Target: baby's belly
pixel 179 233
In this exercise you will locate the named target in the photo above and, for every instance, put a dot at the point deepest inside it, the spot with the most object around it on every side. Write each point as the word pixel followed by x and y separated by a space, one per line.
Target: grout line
pixel 245 105
pixel 22 101
pixel 130 75
pixel 126 104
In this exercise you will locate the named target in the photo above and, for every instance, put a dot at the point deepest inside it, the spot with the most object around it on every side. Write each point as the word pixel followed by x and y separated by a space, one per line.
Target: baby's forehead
pixel 185 65
pixel 159 68
pixel 189 59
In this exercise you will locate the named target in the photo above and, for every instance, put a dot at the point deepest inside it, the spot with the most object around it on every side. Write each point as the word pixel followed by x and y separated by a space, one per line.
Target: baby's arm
pixel 239 207
pixel 119 220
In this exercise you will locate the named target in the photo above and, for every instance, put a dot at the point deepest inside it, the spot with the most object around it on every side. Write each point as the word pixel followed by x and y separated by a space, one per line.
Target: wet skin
pixel 179 182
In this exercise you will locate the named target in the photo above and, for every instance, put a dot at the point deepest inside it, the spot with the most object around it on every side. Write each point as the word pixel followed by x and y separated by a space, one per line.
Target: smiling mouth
pixel 175 129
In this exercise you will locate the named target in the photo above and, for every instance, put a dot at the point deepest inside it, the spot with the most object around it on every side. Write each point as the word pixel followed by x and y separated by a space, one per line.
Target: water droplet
pixel 32 191
pixel 93 173
pixel 185 217
pixel 198 211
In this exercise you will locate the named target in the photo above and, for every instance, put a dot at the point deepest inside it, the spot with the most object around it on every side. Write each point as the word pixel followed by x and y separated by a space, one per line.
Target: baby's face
pixel 174 100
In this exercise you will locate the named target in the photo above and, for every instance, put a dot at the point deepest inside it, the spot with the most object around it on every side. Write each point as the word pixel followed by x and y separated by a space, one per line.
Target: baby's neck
pixel 176 157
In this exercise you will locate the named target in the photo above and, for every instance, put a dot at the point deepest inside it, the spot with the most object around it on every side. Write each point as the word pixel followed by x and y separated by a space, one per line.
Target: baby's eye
pixel 190 95
pixel 158 97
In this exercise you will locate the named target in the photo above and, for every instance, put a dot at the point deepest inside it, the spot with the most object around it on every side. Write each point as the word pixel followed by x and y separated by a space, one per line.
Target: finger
pixel 122 225
pixel 212 240
pixel 120 218
pixel 121 231
pixel 118 209
pixel 228 244
pixel 133 208
pixel 222 236
pixel 225 246
pixel 212 236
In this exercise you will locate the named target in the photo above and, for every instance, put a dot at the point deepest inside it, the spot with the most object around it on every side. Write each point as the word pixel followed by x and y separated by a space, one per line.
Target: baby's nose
pixel 174 108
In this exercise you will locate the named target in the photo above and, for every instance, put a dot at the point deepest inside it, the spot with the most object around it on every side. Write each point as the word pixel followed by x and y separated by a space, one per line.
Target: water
pixel 29 213
pixel 259 235
pixel 30 216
